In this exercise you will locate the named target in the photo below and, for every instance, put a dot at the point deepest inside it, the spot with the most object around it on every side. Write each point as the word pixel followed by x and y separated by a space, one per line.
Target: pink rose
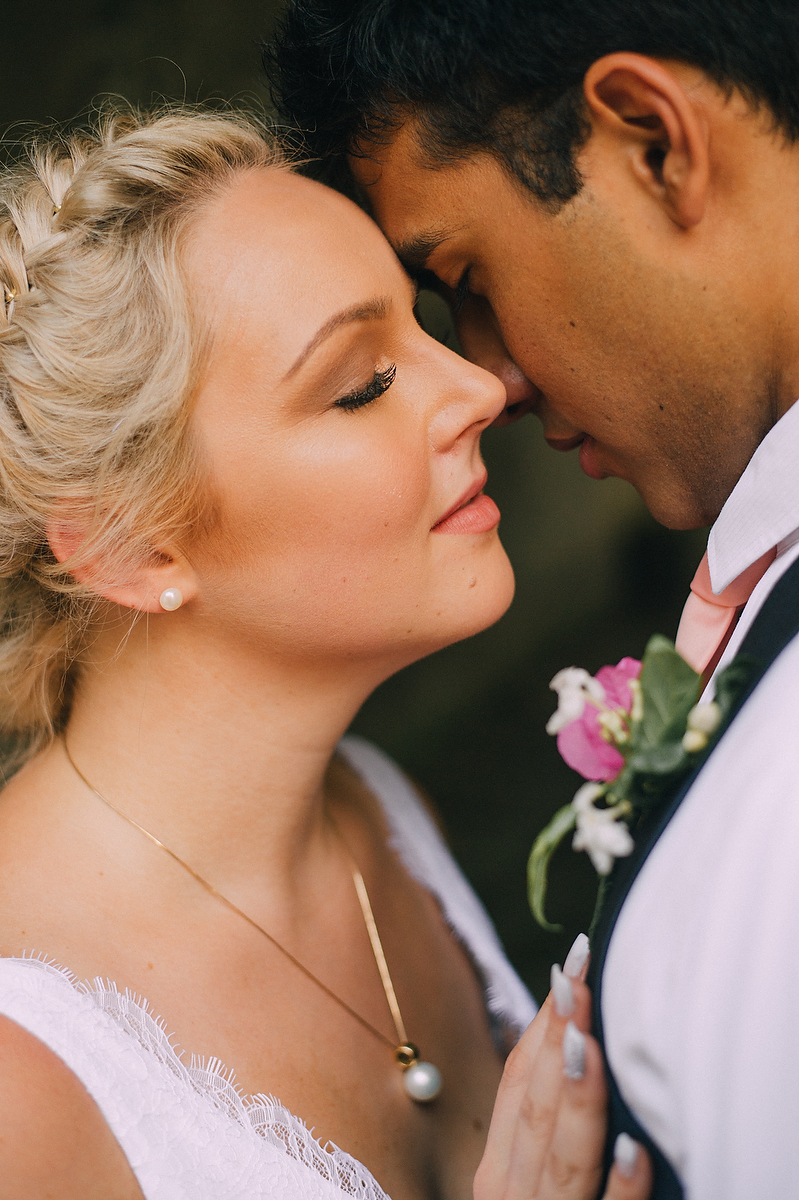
pixel 616 682
pixel 581 743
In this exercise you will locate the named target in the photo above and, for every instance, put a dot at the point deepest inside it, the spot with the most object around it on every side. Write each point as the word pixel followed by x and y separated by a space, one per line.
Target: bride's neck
pixel 216 750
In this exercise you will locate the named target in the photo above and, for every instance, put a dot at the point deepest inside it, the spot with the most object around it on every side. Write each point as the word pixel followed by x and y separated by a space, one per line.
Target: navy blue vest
pixel 774 627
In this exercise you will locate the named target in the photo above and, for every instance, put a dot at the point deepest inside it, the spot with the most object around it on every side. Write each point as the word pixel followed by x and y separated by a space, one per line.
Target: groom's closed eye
pixel 461 291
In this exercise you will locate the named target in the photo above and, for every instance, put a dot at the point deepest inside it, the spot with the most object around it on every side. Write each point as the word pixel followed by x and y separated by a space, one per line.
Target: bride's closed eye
pixel 381 381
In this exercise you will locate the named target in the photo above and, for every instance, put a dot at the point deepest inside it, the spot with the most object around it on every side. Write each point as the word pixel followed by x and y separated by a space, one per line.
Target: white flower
pixel 599 830
pixel 585 796
pixel 574 687
pixel 637 693
pixel 704 717
pixel 693 740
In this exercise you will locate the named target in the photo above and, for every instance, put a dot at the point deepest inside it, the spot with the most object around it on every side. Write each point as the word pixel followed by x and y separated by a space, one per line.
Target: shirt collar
pixel 763 507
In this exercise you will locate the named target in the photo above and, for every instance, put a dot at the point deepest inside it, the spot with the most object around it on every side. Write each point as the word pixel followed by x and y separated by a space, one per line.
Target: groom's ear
pixel 641 111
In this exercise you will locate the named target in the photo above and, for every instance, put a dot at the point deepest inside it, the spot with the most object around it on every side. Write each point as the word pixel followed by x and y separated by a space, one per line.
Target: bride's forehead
pixel 274 207
pixel 276 258
pixel 275 247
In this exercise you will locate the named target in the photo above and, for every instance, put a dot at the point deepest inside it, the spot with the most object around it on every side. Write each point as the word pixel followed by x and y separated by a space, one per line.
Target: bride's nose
pixel 469 399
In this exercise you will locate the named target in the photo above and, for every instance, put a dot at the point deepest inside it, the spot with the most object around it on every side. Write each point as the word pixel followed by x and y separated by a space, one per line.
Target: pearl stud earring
pixel 170 599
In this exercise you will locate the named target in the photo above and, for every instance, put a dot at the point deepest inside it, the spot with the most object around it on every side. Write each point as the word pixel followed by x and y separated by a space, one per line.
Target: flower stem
pixel 602 891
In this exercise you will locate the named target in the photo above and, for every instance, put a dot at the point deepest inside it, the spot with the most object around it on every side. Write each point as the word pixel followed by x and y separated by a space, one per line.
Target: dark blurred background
pixel 595 574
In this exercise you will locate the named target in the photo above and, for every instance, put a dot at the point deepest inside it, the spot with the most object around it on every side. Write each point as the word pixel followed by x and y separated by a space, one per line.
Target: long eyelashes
pixel 380 383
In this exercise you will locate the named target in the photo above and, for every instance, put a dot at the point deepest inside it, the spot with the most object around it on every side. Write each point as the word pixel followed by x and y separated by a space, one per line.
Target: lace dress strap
pixel 186 1131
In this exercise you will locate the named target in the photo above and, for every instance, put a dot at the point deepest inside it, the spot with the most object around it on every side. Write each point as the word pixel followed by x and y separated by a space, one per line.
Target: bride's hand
pixel 548 1130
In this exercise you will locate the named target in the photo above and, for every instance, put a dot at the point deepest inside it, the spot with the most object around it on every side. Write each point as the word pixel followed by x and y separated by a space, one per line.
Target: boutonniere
pixel 634 732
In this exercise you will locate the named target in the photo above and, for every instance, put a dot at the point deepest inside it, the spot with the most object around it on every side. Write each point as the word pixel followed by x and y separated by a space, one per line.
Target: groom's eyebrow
pixel 413 252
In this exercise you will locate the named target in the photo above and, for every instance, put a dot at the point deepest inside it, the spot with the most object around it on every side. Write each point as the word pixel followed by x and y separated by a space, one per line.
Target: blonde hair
pixel 99 354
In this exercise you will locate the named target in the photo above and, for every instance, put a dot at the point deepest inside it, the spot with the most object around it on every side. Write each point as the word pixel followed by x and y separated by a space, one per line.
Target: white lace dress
pixel 186 1130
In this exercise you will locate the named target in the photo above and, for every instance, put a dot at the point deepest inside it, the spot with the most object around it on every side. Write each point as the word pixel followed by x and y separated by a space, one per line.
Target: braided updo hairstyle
pixel 99 355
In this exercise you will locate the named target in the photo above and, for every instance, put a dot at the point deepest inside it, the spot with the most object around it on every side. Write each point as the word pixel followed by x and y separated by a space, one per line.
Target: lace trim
pixel 264 1115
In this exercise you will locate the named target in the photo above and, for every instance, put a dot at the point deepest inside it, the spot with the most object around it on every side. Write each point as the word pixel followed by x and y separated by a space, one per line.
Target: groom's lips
pixel 563 445
pixel 589 457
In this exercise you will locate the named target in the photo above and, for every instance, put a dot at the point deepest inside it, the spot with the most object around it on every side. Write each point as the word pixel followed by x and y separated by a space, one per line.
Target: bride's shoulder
pixel 55 1140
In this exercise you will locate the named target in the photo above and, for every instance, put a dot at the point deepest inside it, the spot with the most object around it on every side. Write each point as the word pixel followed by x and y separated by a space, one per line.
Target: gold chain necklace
pixel 422 1080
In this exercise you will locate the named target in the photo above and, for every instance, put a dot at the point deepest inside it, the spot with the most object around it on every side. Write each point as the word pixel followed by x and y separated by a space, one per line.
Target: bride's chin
pixel 478 599
pixel 471 604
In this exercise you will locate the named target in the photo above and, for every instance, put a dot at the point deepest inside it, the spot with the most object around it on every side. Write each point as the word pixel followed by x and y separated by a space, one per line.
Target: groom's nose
pixel 522 396
pixel 559 433
pixel 482 343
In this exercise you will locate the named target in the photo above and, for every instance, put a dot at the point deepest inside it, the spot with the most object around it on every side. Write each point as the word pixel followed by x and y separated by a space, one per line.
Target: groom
pixel 608 194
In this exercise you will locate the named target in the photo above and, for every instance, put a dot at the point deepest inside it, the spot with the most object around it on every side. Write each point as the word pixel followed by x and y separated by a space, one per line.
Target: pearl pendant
pixel 422 1082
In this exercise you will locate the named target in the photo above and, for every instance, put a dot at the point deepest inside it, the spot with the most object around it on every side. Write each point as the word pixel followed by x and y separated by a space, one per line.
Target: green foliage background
pixel 595 574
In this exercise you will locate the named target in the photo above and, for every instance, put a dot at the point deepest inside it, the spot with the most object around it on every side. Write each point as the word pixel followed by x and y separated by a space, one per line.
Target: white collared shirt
pixel 701 987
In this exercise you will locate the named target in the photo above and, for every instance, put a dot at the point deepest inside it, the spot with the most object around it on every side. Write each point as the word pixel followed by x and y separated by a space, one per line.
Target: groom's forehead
pixel 420 205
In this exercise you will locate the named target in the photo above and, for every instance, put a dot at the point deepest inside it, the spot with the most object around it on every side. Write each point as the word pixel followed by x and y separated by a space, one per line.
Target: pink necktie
pixel 708 621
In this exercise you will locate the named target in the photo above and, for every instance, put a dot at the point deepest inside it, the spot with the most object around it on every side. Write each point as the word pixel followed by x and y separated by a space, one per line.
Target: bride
pixel 240 487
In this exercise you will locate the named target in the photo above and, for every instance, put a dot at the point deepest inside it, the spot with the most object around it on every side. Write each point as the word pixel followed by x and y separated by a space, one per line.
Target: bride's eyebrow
pixel 372 310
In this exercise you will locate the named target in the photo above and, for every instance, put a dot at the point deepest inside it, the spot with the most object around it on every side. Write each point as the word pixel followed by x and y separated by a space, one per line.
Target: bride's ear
pixel 137 585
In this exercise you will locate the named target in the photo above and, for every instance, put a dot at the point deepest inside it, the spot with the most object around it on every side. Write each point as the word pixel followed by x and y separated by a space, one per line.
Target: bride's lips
pixel 473 513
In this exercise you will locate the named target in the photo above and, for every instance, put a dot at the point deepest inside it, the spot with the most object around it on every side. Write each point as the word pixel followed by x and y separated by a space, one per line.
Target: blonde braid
pixel 99 353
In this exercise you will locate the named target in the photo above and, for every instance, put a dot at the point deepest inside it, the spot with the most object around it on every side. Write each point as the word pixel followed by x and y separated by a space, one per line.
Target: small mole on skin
pixel 149 966
pixel 572 324
pixel 472 582
pixel 660 406
pixel 477 1125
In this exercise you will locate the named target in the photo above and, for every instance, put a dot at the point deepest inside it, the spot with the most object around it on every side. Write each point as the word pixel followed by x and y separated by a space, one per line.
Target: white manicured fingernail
pixel 562 992
pixel 573 1052
pixel 625 1155
pixel 577 956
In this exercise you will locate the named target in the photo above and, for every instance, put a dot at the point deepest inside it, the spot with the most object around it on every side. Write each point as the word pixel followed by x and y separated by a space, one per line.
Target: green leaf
pixel 545 846
pixel 732 681
pixel 659 760
pixel 670 690
pixel 619 789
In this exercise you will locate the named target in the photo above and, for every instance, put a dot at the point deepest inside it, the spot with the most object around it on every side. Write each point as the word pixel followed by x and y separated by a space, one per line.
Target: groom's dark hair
pixel 506 75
